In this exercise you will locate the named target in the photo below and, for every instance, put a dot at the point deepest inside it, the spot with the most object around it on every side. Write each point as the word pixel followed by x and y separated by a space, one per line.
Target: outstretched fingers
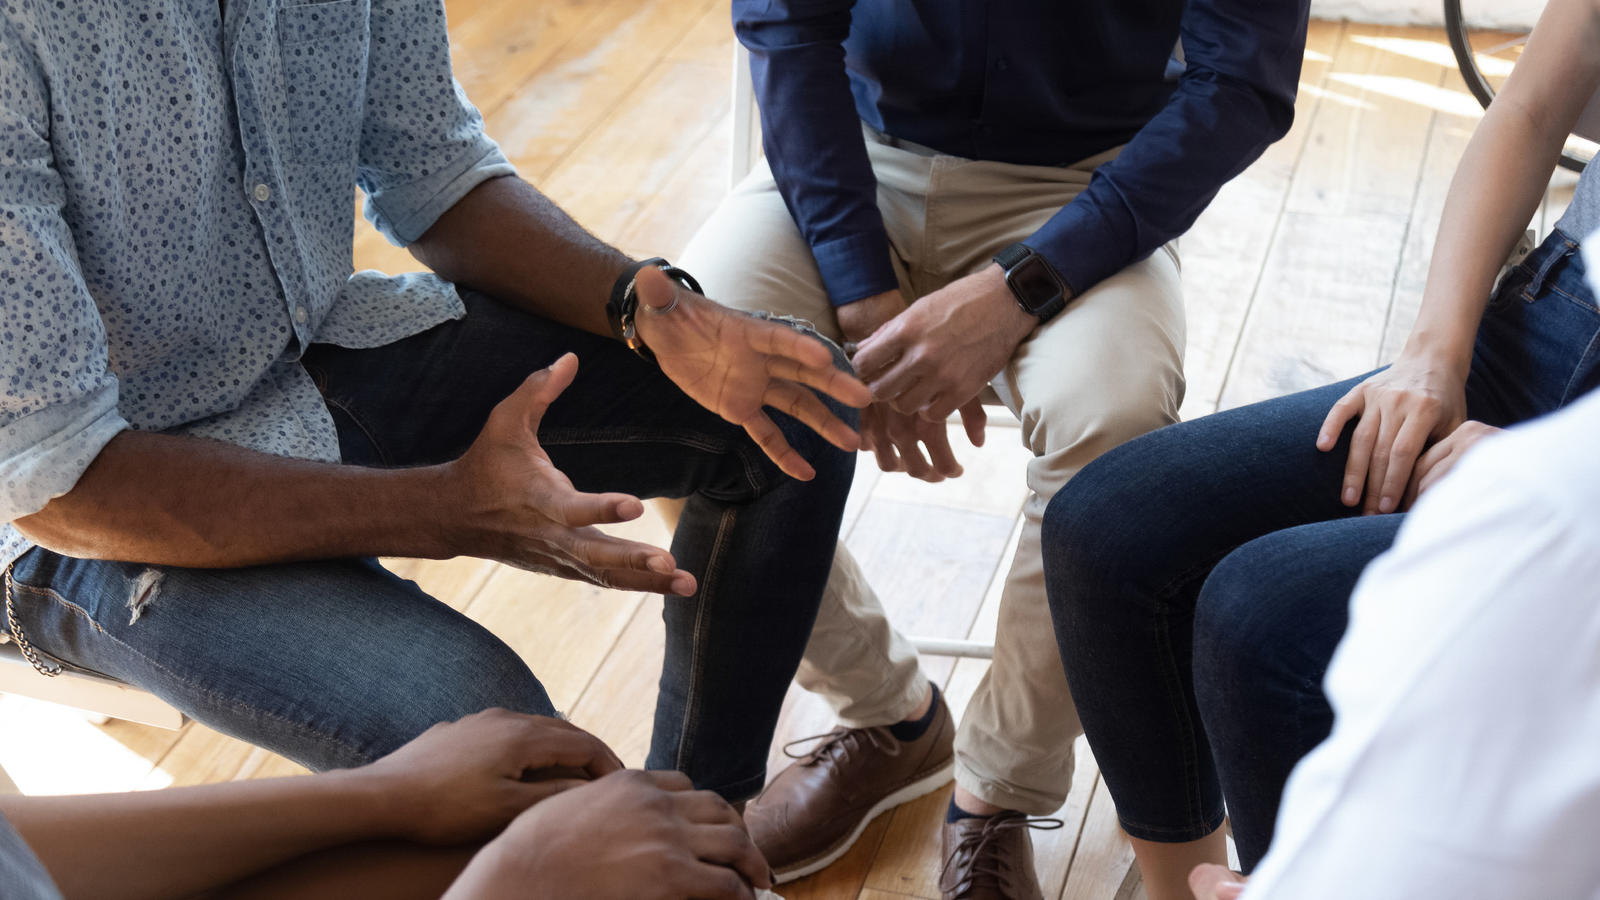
pixel 825 377
pixel 804 406
pixel 628 565
pixel 770 439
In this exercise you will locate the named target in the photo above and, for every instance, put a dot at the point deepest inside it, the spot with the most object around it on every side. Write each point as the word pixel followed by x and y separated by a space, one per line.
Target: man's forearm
pixel 510 241
pixel 180 501
pixel 179 842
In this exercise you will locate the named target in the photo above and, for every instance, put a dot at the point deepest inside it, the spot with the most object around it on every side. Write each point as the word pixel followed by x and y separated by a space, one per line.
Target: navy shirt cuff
pixel 855 267
pixel 1085 243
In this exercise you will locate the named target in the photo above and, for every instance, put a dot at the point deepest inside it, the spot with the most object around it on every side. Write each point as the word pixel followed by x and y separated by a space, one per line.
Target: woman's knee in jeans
pixel 1260 631
pixel 1104 531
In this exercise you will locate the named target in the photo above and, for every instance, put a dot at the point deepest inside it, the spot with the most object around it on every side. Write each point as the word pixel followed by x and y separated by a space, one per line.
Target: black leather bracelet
pixel 623 304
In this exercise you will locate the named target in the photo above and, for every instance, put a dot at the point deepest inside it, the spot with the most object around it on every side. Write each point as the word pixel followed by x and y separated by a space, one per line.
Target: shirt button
pixel 300 314
pixel 262 193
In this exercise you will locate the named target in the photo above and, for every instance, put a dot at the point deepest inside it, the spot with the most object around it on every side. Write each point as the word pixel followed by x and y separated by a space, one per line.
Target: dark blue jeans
pixel 1199 576
pixel 338 662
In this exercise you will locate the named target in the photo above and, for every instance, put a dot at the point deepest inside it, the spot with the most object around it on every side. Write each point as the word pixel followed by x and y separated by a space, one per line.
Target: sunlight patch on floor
pixel 50 749
pixel 1434 52
pixel 1455 103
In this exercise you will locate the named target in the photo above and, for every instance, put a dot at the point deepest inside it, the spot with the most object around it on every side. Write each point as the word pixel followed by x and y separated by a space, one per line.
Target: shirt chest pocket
pixel 322 47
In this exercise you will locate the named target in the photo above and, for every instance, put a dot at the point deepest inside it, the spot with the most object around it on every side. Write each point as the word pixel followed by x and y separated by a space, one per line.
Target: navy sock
pixel 911 730
pixel 954 813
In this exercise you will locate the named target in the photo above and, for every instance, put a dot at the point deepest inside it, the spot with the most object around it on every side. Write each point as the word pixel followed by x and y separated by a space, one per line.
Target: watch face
pixel 1033 283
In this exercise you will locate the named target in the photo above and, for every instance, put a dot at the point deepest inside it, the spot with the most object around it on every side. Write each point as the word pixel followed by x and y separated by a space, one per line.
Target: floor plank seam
pixel 638 610
pixel 1411 222
pixel 1317 106
pixel 600 123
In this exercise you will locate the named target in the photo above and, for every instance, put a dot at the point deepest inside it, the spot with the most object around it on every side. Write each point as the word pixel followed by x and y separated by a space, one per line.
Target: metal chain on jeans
pixel 20 639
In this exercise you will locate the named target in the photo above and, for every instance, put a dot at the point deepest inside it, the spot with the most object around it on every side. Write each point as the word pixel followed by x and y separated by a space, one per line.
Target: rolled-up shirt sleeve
pixel 423 147
pixel 58 399
pixel 1235 98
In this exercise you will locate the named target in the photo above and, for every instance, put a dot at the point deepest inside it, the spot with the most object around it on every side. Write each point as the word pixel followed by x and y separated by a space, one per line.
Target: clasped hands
pixel 562 816
pixel 930 359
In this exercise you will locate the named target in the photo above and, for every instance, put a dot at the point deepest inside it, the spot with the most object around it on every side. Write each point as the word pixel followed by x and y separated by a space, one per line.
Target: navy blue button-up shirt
pixel 1037 82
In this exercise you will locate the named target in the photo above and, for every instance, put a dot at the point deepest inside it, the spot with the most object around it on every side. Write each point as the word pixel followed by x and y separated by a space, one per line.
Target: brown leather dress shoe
pixel 991 858
pixel 815 809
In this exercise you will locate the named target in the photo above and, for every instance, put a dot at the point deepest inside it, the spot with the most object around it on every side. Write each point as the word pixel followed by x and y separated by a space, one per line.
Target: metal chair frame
pixel 1459 32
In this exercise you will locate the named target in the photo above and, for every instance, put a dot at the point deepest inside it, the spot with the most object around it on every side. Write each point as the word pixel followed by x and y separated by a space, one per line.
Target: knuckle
pixel 676 779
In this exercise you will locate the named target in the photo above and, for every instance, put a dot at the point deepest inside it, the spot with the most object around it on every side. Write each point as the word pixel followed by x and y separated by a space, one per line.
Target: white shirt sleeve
pixel 1465 757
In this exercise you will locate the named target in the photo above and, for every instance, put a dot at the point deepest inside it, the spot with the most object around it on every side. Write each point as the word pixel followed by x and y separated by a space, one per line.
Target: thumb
pixel 542 388
pixel 654 288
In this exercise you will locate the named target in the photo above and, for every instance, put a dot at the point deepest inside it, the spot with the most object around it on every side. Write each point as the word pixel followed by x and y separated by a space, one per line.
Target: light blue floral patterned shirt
pixel 177 205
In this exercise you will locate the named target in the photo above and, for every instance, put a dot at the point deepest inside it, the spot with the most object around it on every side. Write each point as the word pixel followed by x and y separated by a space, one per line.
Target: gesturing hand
pixel 1402 409
pixel 628 836
pixel 516 507
pixel 463 781
pixel 734 364
pixel 1214 882
pixel 937 355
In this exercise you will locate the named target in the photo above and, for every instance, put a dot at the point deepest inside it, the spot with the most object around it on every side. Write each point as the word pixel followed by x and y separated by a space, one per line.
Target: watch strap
pixel 623 304
pixel 1010 256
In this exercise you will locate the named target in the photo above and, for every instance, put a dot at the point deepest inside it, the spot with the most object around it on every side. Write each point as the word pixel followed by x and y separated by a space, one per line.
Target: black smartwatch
pixel 624 302
pixel 1033 281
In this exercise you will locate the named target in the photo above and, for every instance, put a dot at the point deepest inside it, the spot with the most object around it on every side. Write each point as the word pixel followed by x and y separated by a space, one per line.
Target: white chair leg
pixel 930 646
pixel 742 156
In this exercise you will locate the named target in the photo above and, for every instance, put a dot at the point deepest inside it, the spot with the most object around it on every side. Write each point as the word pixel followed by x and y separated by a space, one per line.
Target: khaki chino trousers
pixel 1107 369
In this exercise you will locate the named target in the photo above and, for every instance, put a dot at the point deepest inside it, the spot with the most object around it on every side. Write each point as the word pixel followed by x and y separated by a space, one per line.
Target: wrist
pixel 1446 354
pixel 500 869
pixel 859 319
pixel 436 505
pixel 375 801
pixel 1016 322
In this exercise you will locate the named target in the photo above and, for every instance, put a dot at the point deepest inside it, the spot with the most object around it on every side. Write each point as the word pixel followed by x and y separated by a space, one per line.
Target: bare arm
pixel 507 239
pixel 510 241
pixel 186 501
pixel 456 784
pixel 175 842
pixel 181 501
pixel 1421 399
pixel 1503 174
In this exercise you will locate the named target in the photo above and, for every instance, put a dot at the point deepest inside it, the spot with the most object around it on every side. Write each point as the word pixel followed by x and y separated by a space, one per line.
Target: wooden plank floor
pixel 1307 268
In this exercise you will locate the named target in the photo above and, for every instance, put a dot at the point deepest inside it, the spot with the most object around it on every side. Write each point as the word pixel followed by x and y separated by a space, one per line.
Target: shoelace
pixel 968 865
pixel 844 740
